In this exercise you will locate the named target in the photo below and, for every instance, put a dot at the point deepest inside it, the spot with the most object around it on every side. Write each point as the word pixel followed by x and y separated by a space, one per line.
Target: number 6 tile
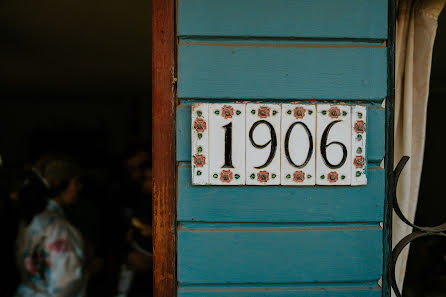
pixel 263 144
pixel 227 144
pixel 333 159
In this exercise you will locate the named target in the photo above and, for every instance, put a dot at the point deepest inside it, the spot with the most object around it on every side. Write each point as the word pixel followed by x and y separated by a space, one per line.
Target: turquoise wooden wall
pixel 281 241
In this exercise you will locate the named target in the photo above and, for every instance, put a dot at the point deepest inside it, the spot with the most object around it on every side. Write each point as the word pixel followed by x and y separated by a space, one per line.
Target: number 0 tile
pixel 263 144
pixel 333 159
pixel 227 144
pixel 298 153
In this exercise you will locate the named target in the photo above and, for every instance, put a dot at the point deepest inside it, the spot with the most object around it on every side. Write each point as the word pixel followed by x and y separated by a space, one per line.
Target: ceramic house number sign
pixel 278 144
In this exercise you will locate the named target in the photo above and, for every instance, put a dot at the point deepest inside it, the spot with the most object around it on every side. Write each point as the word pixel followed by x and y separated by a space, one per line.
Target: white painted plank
pixel 298 136
pixel 263 144
pixel 359 133
pixel 333 158
pixel 200 144
pixel 227 144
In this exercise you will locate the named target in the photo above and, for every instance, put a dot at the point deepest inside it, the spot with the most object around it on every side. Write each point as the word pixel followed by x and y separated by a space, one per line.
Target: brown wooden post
pixel 163 147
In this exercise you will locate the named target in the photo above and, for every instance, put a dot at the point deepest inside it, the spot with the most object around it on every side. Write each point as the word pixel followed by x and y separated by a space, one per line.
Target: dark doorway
pixel 101 134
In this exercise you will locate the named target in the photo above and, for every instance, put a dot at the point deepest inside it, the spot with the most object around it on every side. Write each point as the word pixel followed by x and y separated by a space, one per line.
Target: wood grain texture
pixel 282 292
pixel 218 72
pixel 375 133
pixel 280 204
pixel 163 148
pixel 284 18
pixel 279 256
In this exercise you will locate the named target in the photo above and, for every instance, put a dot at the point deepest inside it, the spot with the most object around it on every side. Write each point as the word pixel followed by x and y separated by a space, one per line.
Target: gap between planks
pixel 284 45
pixel 359 285
pixel 268 227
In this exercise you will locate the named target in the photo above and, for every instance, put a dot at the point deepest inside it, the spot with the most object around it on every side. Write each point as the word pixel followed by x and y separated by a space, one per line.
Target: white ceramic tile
pixel 263 144
pixel 298 140
pixel 334 128
pixel 359 133
pixel 227 144
pixel 200 144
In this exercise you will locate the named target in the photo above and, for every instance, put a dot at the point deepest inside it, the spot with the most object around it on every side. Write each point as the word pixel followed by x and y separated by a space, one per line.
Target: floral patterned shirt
pixel 51 257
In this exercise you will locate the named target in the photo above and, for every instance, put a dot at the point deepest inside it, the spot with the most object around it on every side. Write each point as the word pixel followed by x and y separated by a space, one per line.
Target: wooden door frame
pixel 163 148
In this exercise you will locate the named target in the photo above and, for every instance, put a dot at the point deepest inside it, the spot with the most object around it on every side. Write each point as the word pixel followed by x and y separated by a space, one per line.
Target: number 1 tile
pixel 227 144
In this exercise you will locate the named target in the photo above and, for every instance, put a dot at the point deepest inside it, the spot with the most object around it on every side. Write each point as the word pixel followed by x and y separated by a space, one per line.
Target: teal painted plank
pixel 283 292
pixel 375 133
pixel 283 18
pixel 280 203
pixel 183 133
pixel 256 72
pixel 279 256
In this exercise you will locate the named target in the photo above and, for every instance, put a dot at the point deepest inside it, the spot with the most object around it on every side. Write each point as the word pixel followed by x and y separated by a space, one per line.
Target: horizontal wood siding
pixel 281 241
pixel 280 203
pixel 277 255
pixel 282 292
pixel 256 72
pixel 375 133
pixel 365 19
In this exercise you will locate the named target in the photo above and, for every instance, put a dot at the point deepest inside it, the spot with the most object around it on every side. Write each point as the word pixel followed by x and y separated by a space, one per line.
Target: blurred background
pixel 75 79
pixel 75 48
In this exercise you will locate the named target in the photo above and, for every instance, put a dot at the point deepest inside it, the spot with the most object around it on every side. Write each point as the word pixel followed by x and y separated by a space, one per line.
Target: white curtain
pixel 415 35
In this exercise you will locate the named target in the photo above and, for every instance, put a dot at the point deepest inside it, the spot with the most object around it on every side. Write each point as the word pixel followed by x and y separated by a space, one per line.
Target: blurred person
pixel 136 274
pixel 52 254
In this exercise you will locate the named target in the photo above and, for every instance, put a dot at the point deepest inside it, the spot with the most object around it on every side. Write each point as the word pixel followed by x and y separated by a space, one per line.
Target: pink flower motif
pixel 359 161
pixel 263 176
pixel 333 177
pixel 200 125
pixel 359 126
pixel 227 111
pixel 334 112
pixel 226 176
pixel 199 160
pixel 30 267
pixel 299 112
pixel 263 112
pixel 299 176
pixel 60 246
